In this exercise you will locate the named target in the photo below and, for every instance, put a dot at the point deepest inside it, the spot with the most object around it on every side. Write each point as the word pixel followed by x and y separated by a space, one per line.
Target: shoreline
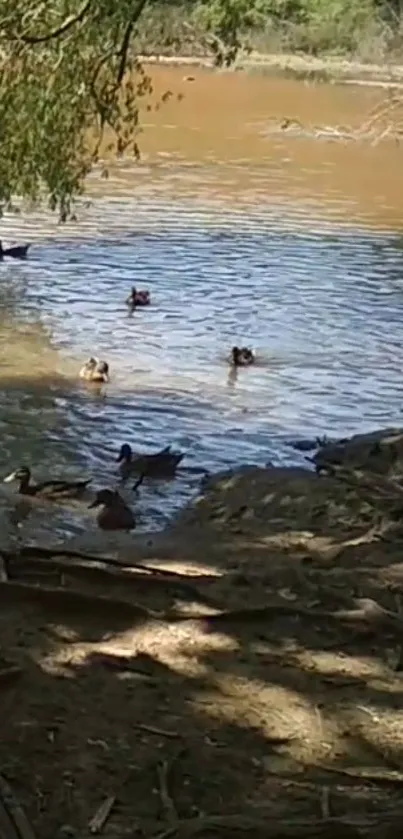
pixel 337 70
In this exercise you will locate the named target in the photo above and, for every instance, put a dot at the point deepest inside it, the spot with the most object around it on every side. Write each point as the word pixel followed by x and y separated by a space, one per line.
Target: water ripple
pixel 321 303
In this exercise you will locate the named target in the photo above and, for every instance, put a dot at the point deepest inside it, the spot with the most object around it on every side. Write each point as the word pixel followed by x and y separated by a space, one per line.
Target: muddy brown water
pixel 288 240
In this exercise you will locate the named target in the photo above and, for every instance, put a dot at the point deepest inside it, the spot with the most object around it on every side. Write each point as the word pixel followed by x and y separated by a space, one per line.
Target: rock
pixel 378 451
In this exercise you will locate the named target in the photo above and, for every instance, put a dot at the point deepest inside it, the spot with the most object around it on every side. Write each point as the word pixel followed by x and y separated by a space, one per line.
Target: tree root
pixel 267 827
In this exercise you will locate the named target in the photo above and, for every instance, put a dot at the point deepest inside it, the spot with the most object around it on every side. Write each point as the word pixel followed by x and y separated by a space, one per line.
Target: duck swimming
pixel 95 371
pixel 138 298
pixel 242 356
pixel 46 489
pixel 17 252
pixel 163 464
pixel 115 514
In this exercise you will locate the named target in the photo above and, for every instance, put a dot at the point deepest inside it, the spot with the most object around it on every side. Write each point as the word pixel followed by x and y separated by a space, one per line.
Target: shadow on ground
pixel 244 677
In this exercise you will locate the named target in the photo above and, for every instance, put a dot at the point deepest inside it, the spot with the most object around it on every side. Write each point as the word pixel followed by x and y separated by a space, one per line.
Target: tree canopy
pixel 68 70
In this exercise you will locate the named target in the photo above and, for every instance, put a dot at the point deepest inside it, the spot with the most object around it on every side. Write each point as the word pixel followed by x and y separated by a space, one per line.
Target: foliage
pixel 67 68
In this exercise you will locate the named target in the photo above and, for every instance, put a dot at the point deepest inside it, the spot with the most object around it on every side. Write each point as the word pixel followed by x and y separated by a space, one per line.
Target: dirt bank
pixel 250 683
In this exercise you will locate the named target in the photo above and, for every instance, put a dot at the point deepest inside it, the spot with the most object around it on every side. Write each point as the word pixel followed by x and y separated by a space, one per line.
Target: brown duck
pixel 51 490
pixel 242 356
pixel 114 513
pixel 95 371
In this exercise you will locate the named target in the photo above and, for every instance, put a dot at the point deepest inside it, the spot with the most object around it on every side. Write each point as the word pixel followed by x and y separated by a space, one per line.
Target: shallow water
pixel 310 277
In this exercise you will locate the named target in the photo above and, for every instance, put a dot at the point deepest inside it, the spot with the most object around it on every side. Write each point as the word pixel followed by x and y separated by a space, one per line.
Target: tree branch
pixel 61 30
pixel 126 40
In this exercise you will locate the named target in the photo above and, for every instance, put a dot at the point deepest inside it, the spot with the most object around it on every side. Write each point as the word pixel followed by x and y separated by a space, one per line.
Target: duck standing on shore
pixel 114 513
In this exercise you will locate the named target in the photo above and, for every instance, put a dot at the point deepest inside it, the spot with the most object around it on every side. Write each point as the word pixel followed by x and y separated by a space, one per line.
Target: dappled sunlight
pixel 334 664
pixel 243 659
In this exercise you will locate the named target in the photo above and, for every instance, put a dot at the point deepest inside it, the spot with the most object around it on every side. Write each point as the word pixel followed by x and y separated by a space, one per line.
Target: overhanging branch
pixel 126 39
pixel 71 21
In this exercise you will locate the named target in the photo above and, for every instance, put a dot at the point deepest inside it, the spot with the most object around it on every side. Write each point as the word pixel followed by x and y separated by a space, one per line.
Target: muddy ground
pixel 250 684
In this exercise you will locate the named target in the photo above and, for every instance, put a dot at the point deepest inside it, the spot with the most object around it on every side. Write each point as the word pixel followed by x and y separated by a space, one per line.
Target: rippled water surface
pixel 296 271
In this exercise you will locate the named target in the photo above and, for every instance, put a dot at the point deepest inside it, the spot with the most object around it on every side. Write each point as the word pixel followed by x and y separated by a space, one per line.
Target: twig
pixel 159 732
pixel 324 802
pixel 101 816
pixel 374 775
pixel 166 800
pixel 56 33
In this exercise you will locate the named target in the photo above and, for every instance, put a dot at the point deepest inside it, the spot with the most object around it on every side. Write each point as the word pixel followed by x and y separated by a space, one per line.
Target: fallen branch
pixel 269 827
pixel 375 775
pixel 366 610
pixel 99 573
pixel 51 553
pixel 167 803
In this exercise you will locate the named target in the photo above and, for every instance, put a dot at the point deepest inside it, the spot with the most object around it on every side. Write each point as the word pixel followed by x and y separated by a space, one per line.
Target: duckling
pixel 242 356
pixel 115 514
pixel 51 490
pixel 17 252
pixel 95 371
pixel 138 298
pixel 163 464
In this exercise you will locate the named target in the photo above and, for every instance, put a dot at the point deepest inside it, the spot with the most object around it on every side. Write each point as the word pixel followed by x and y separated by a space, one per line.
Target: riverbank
pixel 297 66
pixel 243 674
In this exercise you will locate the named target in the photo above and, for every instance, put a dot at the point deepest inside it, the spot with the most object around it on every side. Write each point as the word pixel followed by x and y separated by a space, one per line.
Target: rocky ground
pixel 241 675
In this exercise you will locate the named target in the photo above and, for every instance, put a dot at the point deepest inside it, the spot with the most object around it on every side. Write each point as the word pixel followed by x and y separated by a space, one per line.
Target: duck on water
pixel 95 371
pixel 16 252
pixel 51 490
pixel 162 464
pixel 114 513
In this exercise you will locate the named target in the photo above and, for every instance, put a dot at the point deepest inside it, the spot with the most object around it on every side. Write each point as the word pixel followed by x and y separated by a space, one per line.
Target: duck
pixel 115 514
pixel 162 464
pixel 138 298
pixel 46 489
pixel 242 356
pixel 95 370
pixel 16 252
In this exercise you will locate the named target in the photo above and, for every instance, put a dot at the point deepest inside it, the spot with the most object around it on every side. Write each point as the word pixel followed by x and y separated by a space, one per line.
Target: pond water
pixel 259 240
